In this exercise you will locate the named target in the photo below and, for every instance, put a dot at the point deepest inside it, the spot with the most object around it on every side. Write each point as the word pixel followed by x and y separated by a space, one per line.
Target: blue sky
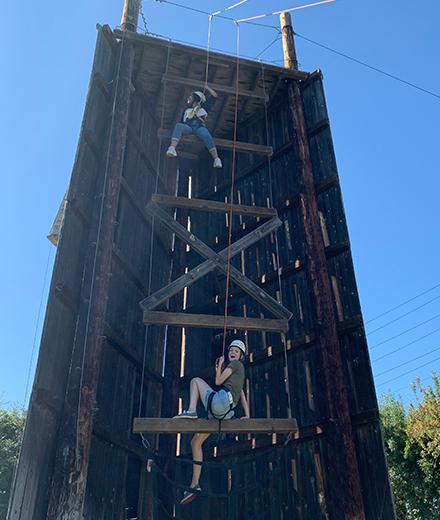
pixel 385 135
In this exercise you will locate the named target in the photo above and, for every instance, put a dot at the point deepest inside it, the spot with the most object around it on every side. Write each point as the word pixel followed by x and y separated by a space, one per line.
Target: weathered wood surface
pixel 207 266
pixel 247 285
pixel 225 144
pixel 346 499
pixel 147 40
pixel 162 425
pixel 130 15
pixel 213 206
pixel 34 475
pixel 195 84
pixel 72 464
pixel 205 321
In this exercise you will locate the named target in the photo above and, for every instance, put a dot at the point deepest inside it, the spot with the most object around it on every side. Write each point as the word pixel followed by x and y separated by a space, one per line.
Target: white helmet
pixel 200 95
pixel 239 344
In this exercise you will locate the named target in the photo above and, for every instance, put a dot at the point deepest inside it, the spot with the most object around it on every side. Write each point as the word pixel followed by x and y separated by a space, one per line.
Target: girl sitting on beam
pixel 193 122
pixel 218 404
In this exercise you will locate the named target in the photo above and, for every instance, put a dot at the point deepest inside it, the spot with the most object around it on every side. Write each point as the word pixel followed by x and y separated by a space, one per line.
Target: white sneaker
pixel 218 163
pixel 171 152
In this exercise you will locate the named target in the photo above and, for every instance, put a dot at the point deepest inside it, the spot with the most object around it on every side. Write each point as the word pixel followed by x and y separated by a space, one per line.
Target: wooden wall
pixel 286 482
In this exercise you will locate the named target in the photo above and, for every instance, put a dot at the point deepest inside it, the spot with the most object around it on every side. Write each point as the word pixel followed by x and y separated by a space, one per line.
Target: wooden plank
pixel 225 144
pixel 162 425
pixel 204 268
pixel 206 321
pixel 213 206
pixel 142 39
pixel 216 86
pixel 242 281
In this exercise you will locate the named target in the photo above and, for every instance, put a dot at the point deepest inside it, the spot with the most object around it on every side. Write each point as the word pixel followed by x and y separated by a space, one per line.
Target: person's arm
pixel 221 375
pixel 211 91
pixel 245 405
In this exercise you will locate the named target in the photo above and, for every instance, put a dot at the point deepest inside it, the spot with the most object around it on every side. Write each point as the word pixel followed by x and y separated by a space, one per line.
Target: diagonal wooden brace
pixel 164 294
pixel 198 245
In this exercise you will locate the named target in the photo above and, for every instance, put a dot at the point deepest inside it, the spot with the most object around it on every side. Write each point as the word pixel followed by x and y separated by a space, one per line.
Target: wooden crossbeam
pixel 198 245
pixel 226 144
pixel 195 84
pixel 162 425
pixel 213 206
pixel 165 293
pixel 207 321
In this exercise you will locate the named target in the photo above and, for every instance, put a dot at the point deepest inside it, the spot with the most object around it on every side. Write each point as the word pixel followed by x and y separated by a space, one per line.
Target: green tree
pixel 11 427
pixel 412 446
pixel 423 430
pixel 405 475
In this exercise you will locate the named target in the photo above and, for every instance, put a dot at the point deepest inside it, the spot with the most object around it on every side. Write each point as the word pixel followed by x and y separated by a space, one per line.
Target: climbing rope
pixel 153 222
pixel 277 249
pixel 231 196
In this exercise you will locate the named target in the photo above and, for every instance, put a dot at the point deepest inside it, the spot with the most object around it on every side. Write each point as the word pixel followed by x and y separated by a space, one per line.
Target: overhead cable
pixel 265 15
pixel 403 315
pixel 409 372
pixel 403 303
pixel 406 345
pixel 364 64
pixel 407 362
pixel 405 331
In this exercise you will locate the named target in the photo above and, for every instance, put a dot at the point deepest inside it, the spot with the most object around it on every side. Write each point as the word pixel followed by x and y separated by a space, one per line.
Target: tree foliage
pixel 412 445
pixel 11 427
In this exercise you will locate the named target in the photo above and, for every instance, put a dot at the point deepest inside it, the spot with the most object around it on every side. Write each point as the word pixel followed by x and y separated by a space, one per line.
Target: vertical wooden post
pixel 73 453
pixel 290 61
pixel 344 486
pixel 130 15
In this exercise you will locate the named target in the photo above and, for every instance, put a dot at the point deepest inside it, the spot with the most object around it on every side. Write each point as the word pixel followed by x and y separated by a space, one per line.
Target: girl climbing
pixel 218 404
pixel 193 122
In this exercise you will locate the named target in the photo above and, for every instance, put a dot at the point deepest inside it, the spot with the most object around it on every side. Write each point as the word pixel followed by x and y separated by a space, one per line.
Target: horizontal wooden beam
pixel 144 39
pixel 213 206
pixel 177 285
pixel 225 144
pixel 162 425
pixel 225 89
pixel 206 321
pixel 256 292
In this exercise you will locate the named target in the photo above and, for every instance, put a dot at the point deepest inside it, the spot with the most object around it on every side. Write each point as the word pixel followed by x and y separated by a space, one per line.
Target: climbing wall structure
pixel 104 361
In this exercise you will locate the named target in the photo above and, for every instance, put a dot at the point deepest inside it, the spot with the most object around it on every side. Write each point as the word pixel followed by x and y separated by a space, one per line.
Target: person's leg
pixel 179 130
pixel 204 134
pixel 197 453
pixel 197 390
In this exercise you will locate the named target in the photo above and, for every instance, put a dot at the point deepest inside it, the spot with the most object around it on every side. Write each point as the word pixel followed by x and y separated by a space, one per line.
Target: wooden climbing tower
pixel 137 299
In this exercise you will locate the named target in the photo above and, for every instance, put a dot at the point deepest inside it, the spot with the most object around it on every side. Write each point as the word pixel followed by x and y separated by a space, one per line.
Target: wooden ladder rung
pixel 164 425
pixel 213 206
pixel 182 319
pixel 226 144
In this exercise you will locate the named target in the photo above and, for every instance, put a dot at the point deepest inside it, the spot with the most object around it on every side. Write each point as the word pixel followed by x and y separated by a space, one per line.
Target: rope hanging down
pixel 153 222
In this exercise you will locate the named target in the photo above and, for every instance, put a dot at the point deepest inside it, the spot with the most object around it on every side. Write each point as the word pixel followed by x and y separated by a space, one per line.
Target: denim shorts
pixel 220 404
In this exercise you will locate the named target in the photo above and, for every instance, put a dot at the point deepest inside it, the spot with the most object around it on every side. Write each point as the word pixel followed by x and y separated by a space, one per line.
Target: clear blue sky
pixel 385 135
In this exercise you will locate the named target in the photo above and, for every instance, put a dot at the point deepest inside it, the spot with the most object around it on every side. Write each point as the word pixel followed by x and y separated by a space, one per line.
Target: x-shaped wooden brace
pixel 216 261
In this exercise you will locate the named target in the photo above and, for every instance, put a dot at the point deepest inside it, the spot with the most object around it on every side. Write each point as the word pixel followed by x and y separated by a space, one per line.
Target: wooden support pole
pixel 344 492
pixel 130 15
pixel 162 425
pixel 73 452
pixel 290 61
